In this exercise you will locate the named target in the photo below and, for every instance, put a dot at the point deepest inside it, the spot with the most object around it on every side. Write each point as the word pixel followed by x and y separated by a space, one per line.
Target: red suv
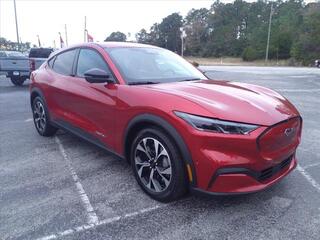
pixel 178 129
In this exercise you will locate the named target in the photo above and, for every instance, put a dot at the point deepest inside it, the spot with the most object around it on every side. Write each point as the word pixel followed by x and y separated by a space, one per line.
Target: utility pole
pixel 85 29
pixel 0 24
pixel 66 33
pixel 269 32
pixel 183 35
pixel 182 47
pixel 15 14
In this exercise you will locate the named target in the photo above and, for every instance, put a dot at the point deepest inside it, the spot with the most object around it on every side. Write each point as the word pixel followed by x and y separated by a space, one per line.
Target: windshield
pixel 15 54
pixel 152 65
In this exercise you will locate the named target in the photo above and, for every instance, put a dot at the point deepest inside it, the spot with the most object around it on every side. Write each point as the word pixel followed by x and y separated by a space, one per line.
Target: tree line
pixel 13 46
pixel 240 29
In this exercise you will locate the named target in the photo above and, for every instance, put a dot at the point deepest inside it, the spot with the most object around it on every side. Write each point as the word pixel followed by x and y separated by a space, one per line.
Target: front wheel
pixel 158 166
pixel 17 81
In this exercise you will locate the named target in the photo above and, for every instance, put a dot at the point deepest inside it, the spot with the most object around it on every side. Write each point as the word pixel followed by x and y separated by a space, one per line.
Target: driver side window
pixel 89 59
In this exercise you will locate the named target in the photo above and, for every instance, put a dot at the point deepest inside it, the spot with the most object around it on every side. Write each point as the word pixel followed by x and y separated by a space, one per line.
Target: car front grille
pixel 271 171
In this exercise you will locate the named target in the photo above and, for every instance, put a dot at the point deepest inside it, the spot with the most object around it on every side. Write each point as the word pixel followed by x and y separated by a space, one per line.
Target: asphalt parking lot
pixel 65 188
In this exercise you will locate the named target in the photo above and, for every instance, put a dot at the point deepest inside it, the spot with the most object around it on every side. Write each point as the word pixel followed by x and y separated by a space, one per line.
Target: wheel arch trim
pixel 171 131
pixel 36 90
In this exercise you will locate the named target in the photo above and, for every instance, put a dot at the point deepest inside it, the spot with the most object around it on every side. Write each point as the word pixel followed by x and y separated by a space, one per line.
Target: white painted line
pixel 299 90
pixel 299 76
pixel 98 223
pixel 312 165
pixel 309 177
pixel 28 120
pixel 49 237
pixel 91 215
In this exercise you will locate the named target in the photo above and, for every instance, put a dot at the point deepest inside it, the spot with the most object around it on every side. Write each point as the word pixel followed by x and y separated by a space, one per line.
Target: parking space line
pixel 299 90
pixel 28 120
pixel 308 177
pixel 299 76
pixel 91 214
pixel 98 223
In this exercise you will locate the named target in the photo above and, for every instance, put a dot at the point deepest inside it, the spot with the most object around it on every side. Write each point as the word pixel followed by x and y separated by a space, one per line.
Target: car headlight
pixel 216 125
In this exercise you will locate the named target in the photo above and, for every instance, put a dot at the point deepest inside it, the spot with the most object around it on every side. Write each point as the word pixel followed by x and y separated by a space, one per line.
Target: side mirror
pixel 96 75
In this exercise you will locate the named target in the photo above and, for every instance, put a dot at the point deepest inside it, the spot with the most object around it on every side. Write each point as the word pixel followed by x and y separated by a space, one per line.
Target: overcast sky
pixel 47 18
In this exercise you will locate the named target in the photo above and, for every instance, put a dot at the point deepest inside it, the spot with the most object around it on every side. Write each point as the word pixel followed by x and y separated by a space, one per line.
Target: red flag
pixel 89 37
pixel 39 41
pixel 61 42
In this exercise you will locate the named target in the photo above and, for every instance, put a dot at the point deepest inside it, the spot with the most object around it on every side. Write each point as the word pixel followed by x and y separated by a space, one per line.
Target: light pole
pixel 66 33
pixel 85 29
pixel 269 32
pixel 182 47
pixel 15 14
pixel 183 35
pixel 0 24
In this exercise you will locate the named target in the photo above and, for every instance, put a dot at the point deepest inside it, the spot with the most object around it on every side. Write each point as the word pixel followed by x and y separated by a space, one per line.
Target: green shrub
pixel 250 54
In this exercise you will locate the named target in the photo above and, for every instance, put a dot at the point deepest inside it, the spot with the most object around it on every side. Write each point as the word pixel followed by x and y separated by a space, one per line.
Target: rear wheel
pixel 41 119
pixel 158 166
pixel 18 81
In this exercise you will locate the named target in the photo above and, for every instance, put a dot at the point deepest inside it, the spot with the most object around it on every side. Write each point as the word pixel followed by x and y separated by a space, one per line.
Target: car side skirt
pixel 84 135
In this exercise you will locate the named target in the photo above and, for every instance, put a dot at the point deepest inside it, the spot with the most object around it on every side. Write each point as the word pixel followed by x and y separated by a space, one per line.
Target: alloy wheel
pixel 153 164
pixel 39 116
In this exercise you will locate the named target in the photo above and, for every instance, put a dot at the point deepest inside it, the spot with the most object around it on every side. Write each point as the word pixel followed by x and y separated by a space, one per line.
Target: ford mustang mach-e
pixel 178 129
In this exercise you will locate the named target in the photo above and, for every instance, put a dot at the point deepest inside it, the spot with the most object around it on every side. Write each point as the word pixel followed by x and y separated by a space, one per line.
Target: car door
pixel 59 84
pixel 94 104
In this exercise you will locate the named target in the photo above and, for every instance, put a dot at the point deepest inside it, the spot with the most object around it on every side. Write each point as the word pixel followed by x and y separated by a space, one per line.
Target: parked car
pixel 15 66
pixel 317 63
pixel 37 56
pixel 177 128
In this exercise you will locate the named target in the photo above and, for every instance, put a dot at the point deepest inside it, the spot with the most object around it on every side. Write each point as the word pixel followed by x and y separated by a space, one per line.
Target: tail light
pixel 32 65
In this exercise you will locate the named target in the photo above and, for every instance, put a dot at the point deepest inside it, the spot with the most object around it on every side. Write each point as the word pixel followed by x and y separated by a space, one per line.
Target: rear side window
pixel 89 59
pixel 64 62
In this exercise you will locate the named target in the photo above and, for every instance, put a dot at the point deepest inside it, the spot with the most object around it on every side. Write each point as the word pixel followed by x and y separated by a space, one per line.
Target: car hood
pixel 233 101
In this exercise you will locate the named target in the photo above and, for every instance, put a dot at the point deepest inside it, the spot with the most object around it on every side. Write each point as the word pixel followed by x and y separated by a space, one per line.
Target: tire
pixel 41 118
pixel 18 81
pixel 166 169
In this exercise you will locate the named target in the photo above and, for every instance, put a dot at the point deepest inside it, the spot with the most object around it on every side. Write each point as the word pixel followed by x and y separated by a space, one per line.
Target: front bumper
pixel 230 181
pixel 237 164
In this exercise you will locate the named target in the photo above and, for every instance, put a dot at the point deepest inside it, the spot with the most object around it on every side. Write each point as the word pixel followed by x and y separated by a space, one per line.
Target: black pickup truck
pixel 37 56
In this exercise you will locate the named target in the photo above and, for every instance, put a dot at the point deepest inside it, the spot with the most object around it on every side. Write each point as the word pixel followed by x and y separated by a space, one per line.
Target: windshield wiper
pixel 142 82
pixel 190 79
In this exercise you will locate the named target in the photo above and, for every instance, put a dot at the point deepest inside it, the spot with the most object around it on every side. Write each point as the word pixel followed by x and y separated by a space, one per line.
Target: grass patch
pixel 229 61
